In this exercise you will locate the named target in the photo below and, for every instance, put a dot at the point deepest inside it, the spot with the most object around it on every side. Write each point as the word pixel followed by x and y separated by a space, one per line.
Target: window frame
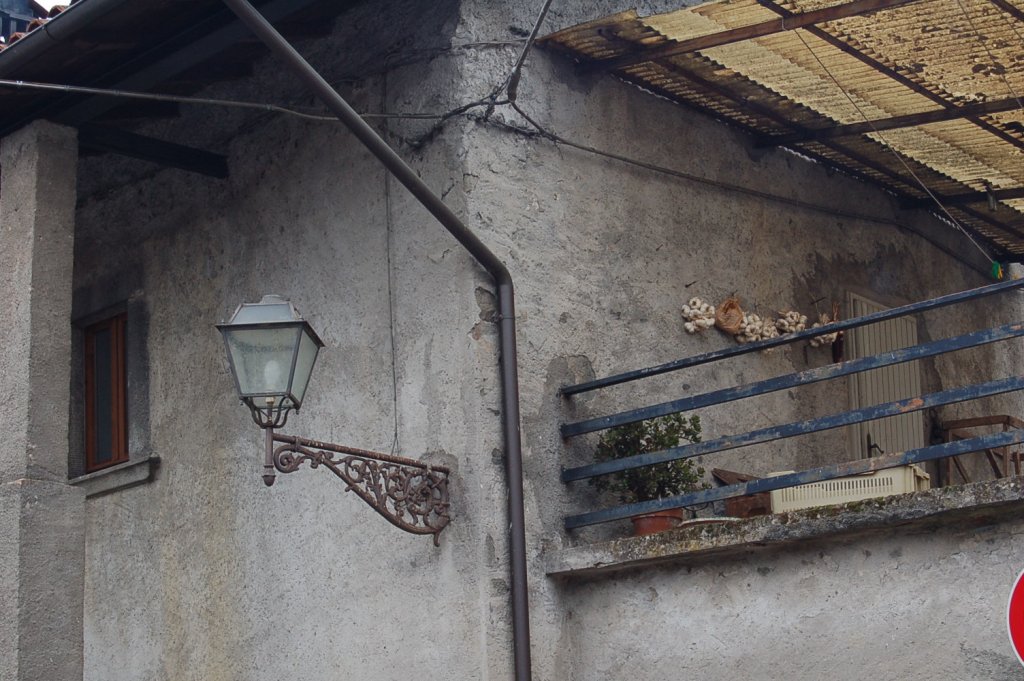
pixel 119 454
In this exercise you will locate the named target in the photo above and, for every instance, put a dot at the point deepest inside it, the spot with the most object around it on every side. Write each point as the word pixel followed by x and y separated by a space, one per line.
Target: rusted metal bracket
pixel 409 494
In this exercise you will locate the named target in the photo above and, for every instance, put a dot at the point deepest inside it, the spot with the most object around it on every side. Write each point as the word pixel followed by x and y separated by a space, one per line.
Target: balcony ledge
pixel 975 504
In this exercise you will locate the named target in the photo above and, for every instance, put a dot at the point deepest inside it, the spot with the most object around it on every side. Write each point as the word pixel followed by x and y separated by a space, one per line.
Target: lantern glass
pixel 308 350
pixel 262 361
pixel 272 352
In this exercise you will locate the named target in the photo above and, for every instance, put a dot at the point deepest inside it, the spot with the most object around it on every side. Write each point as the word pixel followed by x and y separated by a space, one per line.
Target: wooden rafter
pixel 907 121
pixel 735 35
pixel 972 197
pixel 101 138
pixel 1009 9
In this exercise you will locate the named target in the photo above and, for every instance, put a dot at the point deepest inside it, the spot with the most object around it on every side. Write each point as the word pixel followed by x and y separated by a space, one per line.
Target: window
pixel 106 423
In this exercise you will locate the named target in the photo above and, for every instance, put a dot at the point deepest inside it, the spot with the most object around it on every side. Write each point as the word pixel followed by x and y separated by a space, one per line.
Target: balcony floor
pixel 978 503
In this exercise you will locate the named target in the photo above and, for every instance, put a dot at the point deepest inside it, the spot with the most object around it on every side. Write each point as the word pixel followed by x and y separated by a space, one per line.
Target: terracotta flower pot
pixel 650 523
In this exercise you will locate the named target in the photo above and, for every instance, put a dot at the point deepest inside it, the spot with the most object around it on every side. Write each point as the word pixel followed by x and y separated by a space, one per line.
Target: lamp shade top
pixel 271 308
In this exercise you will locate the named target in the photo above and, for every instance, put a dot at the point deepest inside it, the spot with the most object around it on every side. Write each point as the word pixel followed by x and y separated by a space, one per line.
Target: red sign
pixel 1015 617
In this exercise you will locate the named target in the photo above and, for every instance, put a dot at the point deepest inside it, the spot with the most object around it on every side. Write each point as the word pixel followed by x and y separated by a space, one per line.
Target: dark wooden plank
pixel 896 122
pixel 994 420
pixel 199 44
pixel 153 150
pixel 1009 9
pixel 132 110
pixel 732 477
pixel 966 199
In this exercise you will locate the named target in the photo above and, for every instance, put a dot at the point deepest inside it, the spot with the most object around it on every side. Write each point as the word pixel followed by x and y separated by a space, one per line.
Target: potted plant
pixel 652 482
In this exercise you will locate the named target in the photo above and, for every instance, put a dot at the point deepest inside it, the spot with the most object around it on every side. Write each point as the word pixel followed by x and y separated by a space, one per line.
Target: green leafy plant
pixel 651 482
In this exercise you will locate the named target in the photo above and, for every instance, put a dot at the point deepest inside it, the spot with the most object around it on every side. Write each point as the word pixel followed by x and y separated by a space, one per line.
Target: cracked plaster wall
pixel 205 574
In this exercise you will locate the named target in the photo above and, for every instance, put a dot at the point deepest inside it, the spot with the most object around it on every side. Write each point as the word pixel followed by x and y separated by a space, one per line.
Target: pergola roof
pixel 902 93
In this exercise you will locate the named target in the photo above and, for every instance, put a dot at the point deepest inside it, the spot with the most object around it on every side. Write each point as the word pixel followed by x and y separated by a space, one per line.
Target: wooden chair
pixel 959 430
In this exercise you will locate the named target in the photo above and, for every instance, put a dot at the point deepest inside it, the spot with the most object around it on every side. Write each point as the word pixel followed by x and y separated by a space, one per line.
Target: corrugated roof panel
pixel 953 161
pixel 969 56
pixel 983 148
pixel 923 56
pixel 783 64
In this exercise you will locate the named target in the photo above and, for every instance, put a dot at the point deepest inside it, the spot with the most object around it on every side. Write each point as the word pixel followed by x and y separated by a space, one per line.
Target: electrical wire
pixel 511 83
pixel 718 184
pixel 898 155
pixel 461 110
pixel 441 118
pixel 182 99
pixel 491 101
pixel 539 131
pixel 389 224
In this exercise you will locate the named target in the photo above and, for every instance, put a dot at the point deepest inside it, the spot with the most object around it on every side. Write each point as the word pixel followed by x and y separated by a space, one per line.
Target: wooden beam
pixel 907 121
pixel 725 93
pixel 1009 9
pixel 967 199
pixel 229 67
pixel 735 35
pixel 911 184
pixel 137 109
pixel 168 154
pixel 1010 232
pixel 200 44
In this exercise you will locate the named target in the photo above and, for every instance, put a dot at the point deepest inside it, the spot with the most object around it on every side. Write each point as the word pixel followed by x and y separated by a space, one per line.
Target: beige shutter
pixel 888 384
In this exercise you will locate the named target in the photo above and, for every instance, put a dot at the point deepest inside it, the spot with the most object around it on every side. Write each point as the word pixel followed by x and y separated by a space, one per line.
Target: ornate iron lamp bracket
pixel 409 494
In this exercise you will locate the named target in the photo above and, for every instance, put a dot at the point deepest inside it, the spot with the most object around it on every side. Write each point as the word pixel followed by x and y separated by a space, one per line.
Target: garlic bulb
pixel 753 328
pixel 828 338
pixel 791 322
pixel 698 315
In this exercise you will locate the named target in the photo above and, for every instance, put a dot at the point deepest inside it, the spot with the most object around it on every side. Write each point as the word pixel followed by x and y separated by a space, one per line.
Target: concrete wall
pixel 908 607
pixel 205 574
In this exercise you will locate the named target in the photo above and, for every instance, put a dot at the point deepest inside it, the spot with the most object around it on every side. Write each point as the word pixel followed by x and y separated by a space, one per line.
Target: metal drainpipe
pixel 506 309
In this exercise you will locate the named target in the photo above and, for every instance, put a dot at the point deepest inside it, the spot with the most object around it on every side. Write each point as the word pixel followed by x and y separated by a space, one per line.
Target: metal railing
pixel 778 432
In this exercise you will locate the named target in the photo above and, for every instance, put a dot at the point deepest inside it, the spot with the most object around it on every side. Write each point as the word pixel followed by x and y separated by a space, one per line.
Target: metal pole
pixel 506 308
pixel 268 459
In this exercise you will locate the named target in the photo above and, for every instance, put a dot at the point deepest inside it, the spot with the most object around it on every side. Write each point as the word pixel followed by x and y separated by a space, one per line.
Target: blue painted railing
pixel 773 433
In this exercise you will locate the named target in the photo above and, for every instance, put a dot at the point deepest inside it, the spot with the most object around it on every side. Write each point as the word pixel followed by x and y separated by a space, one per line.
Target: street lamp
pixel 271 350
